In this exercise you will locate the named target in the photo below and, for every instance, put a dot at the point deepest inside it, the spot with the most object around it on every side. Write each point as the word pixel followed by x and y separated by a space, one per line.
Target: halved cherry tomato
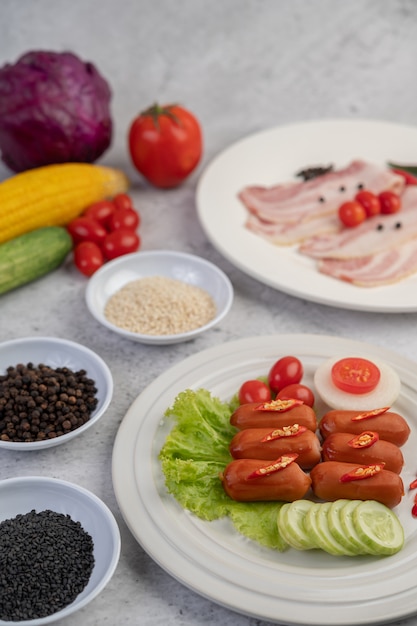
pixel 352 214
pixel 86 229
pixel 364 440
pixel 408 177
pixel 165 144
pixel 369 201
pixel 124 218
pixel 100 211
pixel 88 257
pixel 284 372
pixel 361 472
pixel 254 391
pixel 120 242
pixel 355 375
pixel 300 392
pixel 390 202
pixel 122 201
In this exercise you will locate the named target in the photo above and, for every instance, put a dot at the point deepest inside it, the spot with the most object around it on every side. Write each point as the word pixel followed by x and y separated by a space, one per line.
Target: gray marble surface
pixel 241 66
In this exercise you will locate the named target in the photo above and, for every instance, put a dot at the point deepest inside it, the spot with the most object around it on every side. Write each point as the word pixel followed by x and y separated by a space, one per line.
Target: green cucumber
pixel 292 519
pixel 32 255
pixel 378 527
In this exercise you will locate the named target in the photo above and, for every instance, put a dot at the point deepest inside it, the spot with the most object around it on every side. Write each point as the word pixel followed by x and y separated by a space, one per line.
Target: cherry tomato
pixel 284 372
pixel 297 391
pixel 100 211
pixel 120 242
pixel 165 144
pixel 254 391
pixel 124 218
pixel 122 201
pixel 390 202
pixel 86 229
pixel 355 375
pixel 352 214
pixel 369 201
pixel 88 257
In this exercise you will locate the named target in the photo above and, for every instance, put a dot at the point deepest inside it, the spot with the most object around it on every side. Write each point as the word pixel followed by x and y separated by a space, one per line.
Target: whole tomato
pixel 165 144
pixel 88 257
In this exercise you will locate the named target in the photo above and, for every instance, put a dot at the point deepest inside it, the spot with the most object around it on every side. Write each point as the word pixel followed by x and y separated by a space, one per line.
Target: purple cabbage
pixel 54 108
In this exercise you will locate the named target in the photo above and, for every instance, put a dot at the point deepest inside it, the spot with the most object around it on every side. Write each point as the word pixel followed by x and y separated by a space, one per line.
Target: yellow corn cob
pixel 54 195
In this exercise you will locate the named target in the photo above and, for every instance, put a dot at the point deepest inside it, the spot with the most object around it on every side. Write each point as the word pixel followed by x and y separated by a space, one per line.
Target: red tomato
pixel 254 391
pixel 355 375
pixel 120 242
pixel 165 144
pixel 369 201
pixel 86 229
pixel 122 201
pixel 284 372
pixel 352 214
pixel 298 392
pixel 408 177
pixel 100 211
pixel 390 202
pixel 124 218
pixel 88 257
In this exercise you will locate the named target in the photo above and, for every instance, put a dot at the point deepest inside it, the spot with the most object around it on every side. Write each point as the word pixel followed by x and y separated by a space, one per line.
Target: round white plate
pixel 309 588
pixel 275 156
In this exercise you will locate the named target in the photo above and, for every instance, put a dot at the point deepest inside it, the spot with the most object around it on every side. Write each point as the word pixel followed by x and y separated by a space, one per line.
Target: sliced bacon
pixel 374 270
pixel 376 234
pixel 290 234
pixel 295 201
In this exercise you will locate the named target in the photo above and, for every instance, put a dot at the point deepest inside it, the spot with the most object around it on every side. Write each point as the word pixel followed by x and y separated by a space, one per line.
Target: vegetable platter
pixel 291 587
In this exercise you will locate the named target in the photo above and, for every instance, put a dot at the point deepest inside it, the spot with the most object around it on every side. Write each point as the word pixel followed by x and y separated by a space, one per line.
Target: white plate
pixel 211 557
pixel 274 156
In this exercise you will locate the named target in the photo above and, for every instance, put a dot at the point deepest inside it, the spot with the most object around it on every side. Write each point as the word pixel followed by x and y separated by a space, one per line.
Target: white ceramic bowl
pixel 57 352
pixel 22 495
pixel 180 266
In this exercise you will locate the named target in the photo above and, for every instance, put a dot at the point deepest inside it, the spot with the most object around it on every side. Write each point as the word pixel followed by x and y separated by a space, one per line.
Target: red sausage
pixel 248 444
pixel 385 486
pixel 247 416
pixel 287 484
pixel 336 448
pixel 390 426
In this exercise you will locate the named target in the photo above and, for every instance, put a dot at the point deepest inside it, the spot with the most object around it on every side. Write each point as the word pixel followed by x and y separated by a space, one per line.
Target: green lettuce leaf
pixel 195 453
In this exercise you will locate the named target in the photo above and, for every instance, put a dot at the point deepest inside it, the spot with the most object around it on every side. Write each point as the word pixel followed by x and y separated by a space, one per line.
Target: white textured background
pixel 241 66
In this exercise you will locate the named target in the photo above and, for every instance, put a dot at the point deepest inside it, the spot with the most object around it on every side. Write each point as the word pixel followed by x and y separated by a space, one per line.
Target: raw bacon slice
pixel 295 201
pixel 290 234
pixel 374 270
pixel 376 234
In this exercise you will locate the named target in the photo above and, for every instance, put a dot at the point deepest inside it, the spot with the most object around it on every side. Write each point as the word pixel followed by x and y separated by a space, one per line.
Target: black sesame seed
pixel 46 560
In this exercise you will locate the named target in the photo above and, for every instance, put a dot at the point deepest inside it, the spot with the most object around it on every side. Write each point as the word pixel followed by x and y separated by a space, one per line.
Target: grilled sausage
pixel 250 416
pixel 385 486
pixel 336 448
pixel 287 484
pixel 248 444
pixel 390 426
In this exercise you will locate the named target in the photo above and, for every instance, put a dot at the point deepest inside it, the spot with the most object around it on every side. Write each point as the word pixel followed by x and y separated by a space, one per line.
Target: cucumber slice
pixel 295 519
pixel 285 530
pixel 378 527
pixel 333 546
pixel 339 533
pixel 315 528
pixel 349 529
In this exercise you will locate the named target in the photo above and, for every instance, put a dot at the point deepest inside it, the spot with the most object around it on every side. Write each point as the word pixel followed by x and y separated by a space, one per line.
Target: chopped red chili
pixel 367 414
pixel 361 472
pixel 279 405
pixel 276 466
pixel 286 431
pixel 364 440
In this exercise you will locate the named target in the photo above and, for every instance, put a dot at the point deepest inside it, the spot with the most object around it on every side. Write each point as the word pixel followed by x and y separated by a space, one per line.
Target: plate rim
pixel 168 556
